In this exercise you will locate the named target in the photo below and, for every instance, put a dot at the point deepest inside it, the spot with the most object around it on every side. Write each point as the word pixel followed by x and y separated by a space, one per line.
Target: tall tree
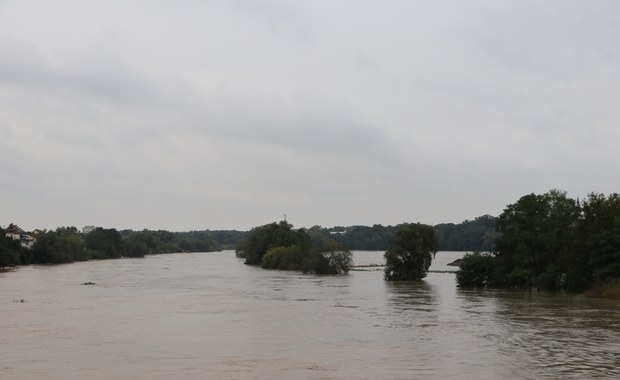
pixel 273 235
pixel 600 238
pixel 10 250
pixel 105 243
pixel 410 253
pixel 536 234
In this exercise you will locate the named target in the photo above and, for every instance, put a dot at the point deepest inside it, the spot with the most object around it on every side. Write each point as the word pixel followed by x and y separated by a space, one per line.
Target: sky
pixel 190 115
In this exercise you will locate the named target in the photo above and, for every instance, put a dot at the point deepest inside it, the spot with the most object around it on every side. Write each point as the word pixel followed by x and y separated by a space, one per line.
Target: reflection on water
pixel 207 315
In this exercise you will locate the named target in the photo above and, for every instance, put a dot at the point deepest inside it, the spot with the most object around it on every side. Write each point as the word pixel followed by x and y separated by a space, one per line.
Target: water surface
pixel 206 315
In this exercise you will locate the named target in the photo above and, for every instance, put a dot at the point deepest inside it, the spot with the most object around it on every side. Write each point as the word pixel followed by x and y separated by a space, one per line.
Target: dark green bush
pixel 286 258
pixel 475 270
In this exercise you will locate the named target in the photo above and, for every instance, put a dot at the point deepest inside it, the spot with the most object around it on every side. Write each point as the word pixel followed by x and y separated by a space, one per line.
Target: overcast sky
pixel 190 114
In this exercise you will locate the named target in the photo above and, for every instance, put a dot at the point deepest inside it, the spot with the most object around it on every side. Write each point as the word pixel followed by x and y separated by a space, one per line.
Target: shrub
pixel 475 270
pixel 287 258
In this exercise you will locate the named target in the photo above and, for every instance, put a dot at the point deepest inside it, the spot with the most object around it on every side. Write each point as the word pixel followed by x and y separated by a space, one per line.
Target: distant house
pixel 27 241
pixel 14 232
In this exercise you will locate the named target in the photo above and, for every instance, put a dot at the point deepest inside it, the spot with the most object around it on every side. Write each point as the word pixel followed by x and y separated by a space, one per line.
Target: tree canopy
pixel 411 253
pixel 279 246
pixel 11 251
pixel 552 241
pixel 67 244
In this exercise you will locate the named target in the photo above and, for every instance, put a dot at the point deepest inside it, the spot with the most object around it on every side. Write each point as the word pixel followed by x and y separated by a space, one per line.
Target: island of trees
pixel 279 246
pixel 410 254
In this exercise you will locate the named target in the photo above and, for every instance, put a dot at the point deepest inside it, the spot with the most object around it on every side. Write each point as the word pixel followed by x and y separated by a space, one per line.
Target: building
pixel 14 232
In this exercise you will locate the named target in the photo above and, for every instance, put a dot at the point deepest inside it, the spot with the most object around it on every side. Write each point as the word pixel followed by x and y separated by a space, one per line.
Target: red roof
pixel 14 229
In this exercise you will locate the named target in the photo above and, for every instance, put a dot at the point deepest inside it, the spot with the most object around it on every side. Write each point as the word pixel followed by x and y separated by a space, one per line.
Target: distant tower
pixel 285 217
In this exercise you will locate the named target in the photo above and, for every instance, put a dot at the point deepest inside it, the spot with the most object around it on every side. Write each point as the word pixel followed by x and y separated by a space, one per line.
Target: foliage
pixel 551 241
pixel 278 246
pixel 475 270
pixel 10 251
pixel 410 254
pixel 537 231
pixel 334 258
pixel 104 243
pixel 475 235
pixel 134 246
pixel 64 245
pixel 288 258
pixel 375 238
pixel 153 242
pixel 600 238
pixel 268 236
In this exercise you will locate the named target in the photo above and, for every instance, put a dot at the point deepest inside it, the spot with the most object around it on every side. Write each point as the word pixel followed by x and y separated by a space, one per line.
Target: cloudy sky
pixel 220 114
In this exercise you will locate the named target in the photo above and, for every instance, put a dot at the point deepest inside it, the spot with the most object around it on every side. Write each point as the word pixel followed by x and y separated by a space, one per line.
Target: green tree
pixel 411 252
pixel 134 246
pixel 104 243
pixel 537 234
pixel 284 258
pixel 478 234
pixel 328 258
pixel 475 270
pixel 268 236
pixel 64 245
pixel 599 240
pixel 10 251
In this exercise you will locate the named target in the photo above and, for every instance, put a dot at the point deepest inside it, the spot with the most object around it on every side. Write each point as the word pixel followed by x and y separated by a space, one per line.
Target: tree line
pixel 551 241
pixel 67 244
pixel 470 235
pixel 477 234
pixel 11 251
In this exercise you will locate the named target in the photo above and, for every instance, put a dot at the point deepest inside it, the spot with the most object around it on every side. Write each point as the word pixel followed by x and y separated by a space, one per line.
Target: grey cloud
pixel 227 114
pixel 101 78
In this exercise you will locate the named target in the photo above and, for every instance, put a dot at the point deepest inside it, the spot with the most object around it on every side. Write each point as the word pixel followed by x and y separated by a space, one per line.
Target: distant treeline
pixel 474 235
pixel 67 244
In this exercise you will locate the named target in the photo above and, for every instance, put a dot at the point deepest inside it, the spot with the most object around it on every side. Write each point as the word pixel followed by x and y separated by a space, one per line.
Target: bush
pixel 287 258
pixel 329 262
pixel 475 270
pixel 134 246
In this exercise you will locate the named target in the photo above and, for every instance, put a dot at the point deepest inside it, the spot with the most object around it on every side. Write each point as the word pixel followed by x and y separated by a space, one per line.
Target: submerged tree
pixel 329 258
pixel 268 236
pixel 411 252
pixel 278 246
pixel 551 241
pixel 537 239
pixel 475 270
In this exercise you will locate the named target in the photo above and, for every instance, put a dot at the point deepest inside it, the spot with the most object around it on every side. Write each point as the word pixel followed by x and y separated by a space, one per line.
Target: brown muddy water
pixel 208 316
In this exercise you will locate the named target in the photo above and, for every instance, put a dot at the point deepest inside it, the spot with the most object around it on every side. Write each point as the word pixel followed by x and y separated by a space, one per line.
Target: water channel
pixel 208 316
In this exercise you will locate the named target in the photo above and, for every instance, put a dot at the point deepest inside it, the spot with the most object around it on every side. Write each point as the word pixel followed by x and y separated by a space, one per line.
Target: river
pixel 208 316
